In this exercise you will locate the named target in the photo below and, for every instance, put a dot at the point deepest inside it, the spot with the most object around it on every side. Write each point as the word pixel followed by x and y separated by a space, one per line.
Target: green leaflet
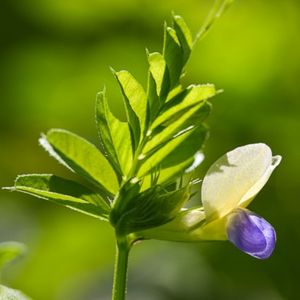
pixel 187 149
pixel 135 102
pixel 159 71
pixel 115 136
pixel 193 95
pixel 65 192
pixel 175 157
pixel 182 228
pixel 184 36
pixel 10 251
pixel 166 154
pixel 189 118
pixel 173 55
pixel 167 174
pixel 81 157
pixel 154 102
pixel 10 294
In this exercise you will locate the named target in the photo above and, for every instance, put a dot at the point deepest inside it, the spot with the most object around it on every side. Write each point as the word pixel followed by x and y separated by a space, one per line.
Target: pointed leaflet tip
pixel 43 141
pixel 112 70
pixel 8 188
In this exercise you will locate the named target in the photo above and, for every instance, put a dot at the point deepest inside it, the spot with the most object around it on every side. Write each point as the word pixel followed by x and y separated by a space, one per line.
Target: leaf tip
pixel 8 188
pixel 112 70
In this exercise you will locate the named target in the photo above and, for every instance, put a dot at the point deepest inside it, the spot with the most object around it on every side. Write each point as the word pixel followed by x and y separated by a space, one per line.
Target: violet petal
pixel 251 233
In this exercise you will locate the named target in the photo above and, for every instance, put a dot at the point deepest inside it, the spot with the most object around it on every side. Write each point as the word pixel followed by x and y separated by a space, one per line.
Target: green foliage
pixel 135 210
pixel 81 157
pixel 9 251
pixel 113 133
pixel 133 178
pixel 64 192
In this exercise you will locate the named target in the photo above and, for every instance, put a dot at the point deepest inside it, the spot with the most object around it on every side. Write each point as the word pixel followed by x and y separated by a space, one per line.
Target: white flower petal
pixel 236 178
pixel 248 197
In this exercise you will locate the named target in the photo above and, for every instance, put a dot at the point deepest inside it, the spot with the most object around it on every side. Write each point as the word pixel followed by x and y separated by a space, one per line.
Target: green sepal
pixel 9 251
pixel 64 192
pixel 190 225
pixel 128 191
pixel 81 157
pixel 115 136
pixel 147 209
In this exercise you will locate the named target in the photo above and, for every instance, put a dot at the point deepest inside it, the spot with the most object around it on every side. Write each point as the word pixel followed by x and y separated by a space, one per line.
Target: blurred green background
pixel 55 57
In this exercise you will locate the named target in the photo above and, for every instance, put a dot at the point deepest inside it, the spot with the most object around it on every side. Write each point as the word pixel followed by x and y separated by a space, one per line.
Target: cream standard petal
pixel 239 172
pixel 248 197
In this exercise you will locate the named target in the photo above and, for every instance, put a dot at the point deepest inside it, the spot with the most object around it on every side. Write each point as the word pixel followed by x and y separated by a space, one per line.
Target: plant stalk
pixel 120 271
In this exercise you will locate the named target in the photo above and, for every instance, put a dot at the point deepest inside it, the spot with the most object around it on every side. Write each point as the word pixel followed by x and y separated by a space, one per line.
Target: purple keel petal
pixel 251 233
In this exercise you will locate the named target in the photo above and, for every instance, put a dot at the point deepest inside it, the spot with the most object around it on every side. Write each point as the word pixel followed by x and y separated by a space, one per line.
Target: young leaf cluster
pixel 132 180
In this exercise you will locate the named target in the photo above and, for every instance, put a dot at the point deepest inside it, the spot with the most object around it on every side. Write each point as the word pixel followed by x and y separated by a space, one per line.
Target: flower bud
pixel 251 233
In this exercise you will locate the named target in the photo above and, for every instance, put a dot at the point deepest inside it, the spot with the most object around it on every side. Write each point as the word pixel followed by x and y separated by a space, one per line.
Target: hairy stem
pixel 120 272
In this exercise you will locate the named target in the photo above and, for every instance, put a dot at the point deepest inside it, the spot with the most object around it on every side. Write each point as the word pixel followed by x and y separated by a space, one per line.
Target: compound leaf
pixel 175 157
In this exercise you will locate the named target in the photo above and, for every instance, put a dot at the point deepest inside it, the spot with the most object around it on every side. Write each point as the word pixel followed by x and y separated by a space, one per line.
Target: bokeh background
pixel 55 57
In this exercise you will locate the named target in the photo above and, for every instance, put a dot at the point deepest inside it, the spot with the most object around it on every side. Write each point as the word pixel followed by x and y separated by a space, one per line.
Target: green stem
pixel 120 272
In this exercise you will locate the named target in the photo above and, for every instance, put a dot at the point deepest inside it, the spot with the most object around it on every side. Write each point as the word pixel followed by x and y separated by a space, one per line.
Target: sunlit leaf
pixel 135 98
pixel 154 102
pixel 187 149
pixel 115 135
pixel 173 55
pixel 193 95
pixel 10 251
pixel 182 122
pixel 176 156
pixel 182 146
pixel 158 69
pixel 81 157
pixel 167 174
pixel 184 35
pixel 64 192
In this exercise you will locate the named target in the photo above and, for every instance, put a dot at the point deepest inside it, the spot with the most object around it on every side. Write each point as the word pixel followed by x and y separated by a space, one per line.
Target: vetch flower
pixel 229 186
